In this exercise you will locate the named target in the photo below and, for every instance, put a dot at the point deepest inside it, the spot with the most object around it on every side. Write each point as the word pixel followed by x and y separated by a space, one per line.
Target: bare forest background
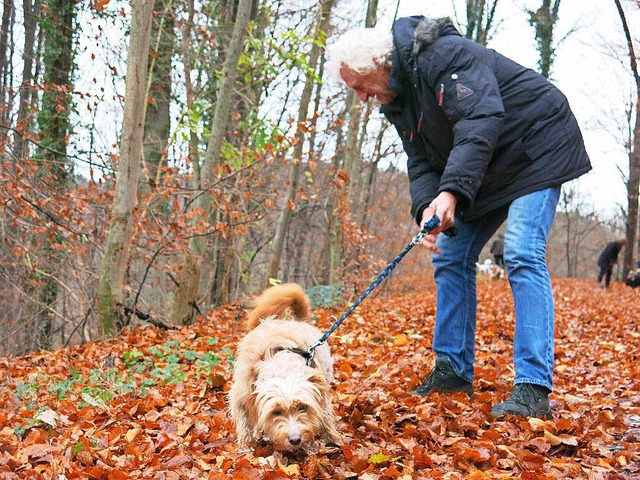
pixel 160 158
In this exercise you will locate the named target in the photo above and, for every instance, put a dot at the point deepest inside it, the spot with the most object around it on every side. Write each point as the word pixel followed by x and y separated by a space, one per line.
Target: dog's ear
pixel 251 407
pixel 322 393
pixel 321 388
pixel 318 379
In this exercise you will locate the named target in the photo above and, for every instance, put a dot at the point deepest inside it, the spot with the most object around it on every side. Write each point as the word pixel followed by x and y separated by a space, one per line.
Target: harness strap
pixel 308 357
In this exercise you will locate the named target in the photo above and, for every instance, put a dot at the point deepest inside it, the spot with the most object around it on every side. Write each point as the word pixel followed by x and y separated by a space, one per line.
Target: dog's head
pixel 290 410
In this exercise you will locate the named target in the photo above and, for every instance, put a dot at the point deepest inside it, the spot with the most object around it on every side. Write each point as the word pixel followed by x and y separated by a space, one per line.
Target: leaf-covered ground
pixel 151 404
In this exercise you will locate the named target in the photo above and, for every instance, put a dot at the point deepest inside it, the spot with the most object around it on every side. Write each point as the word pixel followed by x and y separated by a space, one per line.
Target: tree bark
pixel 5 28
pixel 58 58
pixel 357 122
pixel 633 181
pixel 352 193
pixel 157 121
pixel 31 10
pixel 119 237
pixel 480 20
pixel 544 20
pixel 57 26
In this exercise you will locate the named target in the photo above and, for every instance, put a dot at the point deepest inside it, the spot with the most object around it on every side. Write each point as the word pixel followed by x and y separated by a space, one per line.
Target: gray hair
pixel 363 50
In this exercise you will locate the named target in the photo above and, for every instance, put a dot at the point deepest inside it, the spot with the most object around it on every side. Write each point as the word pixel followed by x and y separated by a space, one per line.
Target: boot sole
pixel 467 390
pixel 546 415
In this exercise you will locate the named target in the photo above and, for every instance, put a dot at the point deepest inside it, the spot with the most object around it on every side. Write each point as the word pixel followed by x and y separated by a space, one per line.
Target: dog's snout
pixel 294 439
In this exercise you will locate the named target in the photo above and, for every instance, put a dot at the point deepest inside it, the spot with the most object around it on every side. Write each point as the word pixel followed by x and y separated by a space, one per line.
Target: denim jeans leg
pixel 528 223
pixel 455 276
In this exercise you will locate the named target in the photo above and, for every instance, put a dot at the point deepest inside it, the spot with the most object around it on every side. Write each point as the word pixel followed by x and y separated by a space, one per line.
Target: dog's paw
pixel 264 441
pixel 244 450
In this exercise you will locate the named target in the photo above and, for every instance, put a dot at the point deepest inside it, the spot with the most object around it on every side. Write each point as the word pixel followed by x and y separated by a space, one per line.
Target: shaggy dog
pixel 490 269
pixel 275 395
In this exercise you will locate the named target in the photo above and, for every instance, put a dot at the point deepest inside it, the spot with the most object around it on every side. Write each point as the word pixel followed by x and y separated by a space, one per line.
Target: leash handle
pixel 426 228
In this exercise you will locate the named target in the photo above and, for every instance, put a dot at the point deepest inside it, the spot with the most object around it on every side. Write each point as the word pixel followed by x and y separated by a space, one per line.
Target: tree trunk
pixel 353 158
pixel 320 26
pixel 544 20
pixel 225 253
pixel 633 182
pixel 31 10
pixel 157 121
pixel 480 20
pixel 214 147
pixel 5 28
pixel 53 117
pixel 357 123
pixel 578 225
pixel 326 264
pixel 53 120
pixel 369 184
pixel 119 236
pixel 352 162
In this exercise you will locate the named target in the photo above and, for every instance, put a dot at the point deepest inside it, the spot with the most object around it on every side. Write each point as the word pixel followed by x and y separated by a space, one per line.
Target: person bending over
pixel 607 259
pixel 486 140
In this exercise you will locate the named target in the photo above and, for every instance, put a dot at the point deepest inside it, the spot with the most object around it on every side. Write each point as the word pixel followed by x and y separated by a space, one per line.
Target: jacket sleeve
pixel 423 180
pixel 468 92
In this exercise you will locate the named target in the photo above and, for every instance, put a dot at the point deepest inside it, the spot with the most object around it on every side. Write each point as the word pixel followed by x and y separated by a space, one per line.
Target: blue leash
pixel 426 228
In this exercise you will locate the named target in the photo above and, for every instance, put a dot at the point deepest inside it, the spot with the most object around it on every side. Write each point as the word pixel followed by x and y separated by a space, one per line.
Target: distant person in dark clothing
pixel 608 258
pixel 497 250
pixel 633 279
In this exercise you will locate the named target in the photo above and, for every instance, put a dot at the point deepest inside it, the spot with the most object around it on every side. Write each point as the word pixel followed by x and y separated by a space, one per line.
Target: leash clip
pixel 311 352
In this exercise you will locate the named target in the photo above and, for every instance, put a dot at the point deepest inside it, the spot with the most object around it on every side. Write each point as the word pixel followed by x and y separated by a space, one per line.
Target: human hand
pixel 444 205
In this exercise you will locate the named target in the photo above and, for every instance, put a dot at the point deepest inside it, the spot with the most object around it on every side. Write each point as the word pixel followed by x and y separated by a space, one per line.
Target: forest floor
pixel 152 404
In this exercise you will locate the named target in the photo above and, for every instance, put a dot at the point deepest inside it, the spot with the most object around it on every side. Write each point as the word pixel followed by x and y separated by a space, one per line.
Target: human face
pixel 372 84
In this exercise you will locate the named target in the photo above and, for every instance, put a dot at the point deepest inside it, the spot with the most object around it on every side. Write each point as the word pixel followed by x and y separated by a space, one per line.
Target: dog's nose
pixel 294 439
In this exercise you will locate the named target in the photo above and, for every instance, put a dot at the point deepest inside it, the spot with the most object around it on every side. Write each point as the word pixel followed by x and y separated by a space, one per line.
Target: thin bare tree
pixel 318 30
pixel 157 120
pixel 633 181
pixel 119 237
pixel 31 10
pixel 480 19
pixel 185 300
pixel 6 50
pixel 544 20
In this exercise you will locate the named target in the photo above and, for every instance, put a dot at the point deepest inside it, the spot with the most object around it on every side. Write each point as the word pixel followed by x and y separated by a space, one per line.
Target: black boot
pixel 442 378
pixel 526 400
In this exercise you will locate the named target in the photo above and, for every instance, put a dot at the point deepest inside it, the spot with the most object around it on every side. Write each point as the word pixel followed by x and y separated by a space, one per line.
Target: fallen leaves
pixel 152 404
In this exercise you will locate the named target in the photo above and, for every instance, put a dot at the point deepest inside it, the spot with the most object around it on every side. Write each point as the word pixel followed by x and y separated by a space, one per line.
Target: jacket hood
pixel 412 35
pixel 428 30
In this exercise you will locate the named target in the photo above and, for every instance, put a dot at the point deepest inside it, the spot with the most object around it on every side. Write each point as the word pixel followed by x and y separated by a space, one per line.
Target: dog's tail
pixel 276 300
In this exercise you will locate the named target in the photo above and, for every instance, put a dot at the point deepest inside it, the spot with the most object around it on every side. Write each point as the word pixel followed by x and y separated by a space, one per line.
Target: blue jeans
pixel 529 219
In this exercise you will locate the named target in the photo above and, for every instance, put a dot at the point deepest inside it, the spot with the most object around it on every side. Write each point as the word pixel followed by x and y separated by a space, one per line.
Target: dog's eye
pixel 302 408
pixel 277 413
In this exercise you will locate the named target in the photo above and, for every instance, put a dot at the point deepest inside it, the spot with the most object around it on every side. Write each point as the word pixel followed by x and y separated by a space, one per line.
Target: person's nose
pixel 362 95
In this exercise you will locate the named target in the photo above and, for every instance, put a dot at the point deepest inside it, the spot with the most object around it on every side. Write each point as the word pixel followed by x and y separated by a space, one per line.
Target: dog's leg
pixel 244 431
pixel 239 409
pixel 245 438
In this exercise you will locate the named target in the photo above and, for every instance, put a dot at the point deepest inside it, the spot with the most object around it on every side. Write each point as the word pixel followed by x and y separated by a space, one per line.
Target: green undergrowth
pixel 132 374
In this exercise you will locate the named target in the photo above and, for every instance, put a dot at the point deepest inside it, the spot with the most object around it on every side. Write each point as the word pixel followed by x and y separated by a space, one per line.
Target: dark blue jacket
pixel 475 123
pixel 609 255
